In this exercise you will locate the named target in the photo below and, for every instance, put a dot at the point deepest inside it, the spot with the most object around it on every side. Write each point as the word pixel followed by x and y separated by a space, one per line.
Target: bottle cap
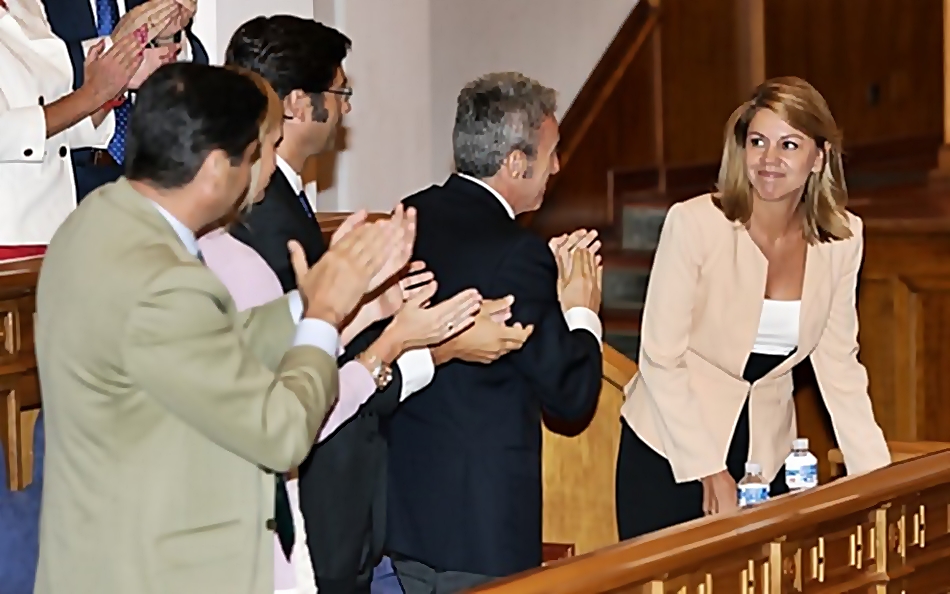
pixel 752 468
pixel 800 444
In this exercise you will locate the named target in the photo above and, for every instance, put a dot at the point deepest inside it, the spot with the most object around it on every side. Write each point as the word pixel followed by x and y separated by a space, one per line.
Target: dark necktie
pixel 283 518
pixel 305 203
pixel 107 15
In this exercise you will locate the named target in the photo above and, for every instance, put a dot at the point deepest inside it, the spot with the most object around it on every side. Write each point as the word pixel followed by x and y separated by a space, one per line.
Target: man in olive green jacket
pixel 167 411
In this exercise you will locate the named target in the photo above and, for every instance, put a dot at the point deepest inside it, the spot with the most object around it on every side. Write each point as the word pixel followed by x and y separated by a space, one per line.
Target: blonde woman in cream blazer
pixel 747 283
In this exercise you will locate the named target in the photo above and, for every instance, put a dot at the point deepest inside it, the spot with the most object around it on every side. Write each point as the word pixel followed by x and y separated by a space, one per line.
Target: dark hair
pixel 291 53
pixel 496 115
pixel 183 112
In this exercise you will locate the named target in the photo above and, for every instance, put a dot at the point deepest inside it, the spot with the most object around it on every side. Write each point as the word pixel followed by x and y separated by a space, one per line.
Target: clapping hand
pixel 108 73
pixel 489 338
pixel 334 286
pixel 417 324
pixel 400 250
pixel 580 278
pixel 156 16
pixel 580 239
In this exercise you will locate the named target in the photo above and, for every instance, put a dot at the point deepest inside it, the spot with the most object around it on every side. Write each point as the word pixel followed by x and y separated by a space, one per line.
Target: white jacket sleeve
pixel 22 133
pixel 86 135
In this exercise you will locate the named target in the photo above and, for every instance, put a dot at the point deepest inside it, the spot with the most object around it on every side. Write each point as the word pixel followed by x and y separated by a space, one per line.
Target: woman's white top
pixel 778 327
pixel 37 191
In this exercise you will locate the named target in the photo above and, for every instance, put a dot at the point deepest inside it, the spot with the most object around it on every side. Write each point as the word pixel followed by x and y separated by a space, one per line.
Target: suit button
pixel 271 524
pixel 42 101
pixel 28 152
pixel 63 151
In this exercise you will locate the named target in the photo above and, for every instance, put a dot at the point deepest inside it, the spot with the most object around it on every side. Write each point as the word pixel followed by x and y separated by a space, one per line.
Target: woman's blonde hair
pixel 270 120
pixel 803 108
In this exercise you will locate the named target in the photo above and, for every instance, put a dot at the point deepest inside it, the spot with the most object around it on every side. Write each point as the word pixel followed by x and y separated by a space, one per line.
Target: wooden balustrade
pixel 887 531
pixel 19 387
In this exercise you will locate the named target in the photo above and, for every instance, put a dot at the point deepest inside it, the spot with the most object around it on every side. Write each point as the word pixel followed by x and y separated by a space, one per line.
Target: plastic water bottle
pixel 801 467
pixel 752 488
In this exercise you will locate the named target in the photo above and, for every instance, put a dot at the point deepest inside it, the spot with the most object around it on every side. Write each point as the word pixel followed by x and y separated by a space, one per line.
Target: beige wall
pixel 557 42
pixel 409 60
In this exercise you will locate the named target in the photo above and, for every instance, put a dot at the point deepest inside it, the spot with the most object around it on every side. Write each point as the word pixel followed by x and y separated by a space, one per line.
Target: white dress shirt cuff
pixel 88 44
pixel 184 54
pixel 417 369
pixel 318 333
pixel 583 318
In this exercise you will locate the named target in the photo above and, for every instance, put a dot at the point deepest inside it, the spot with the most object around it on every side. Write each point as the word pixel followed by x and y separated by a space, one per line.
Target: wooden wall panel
pixel 700 78
pixel 879 63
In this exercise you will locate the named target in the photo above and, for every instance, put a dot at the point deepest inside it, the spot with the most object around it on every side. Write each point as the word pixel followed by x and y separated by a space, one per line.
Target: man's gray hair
pixel 497 114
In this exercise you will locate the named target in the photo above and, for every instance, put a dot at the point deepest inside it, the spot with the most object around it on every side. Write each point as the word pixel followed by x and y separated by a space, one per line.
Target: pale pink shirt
pixel 251 282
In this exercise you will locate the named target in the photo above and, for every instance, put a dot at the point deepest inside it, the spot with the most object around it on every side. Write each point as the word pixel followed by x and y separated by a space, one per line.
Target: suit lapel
pixel 752 269
pixel 311 236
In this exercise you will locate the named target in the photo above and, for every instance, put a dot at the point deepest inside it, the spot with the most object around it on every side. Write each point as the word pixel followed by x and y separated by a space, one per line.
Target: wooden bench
pixel 900 450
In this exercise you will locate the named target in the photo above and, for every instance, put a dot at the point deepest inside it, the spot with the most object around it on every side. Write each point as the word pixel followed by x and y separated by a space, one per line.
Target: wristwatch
pixel 382 373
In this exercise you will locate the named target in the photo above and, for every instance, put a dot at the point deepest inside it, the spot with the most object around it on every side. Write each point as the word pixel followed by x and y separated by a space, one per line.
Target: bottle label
pixel 752 493
pixel 799 477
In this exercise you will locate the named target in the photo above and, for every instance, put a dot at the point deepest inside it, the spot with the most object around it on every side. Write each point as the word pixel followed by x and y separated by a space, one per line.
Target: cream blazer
pixel 700 322
pixel 36 174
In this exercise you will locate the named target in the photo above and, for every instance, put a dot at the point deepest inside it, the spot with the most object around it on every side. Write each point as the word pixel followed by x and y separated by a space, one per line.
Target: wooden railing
pixel 19 388
pixel 20 400
pixel 887 531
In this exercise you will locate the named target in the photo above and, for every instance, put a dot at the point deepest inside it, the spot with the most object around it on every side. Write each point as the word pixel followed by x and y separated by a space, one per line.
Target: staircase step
pixel 625 287
pixel 641 226
pixel 628 343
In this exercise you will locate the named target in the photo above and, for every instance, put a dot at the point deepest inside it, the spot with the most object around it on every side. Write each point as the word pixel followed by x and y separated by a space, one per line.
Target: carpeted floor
pixel 19 527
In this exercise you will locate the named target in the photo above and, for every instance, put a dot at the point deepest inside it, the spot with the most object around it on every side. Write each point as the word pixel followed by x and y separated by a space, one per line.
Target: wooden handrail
pixel 618 369
pixel 606 75
pixel 892 496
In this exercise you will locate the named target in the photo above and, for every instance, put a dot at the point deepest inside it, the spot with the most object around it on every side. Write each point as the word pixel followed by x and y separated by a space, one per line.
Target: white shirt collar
pixel 184 233
pixel 296 182
pixel 508 209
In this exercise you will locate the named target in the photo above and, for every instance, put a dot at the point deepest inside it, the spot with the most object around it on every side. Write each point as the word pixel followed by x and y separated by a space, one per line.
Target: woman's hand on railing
pixel 720 494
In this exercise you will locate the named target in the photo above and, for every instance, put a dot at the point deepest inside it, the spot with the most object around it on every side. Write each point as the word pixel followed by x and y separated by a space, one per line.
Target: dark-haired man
pixel 465 453
pixel 163 404
pixel 343 483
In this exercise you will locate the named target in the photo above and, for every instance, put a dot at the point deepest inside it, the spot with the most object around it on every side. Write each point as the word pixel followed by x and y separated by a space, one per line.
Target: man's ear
pixel 297 106
pixel 517 164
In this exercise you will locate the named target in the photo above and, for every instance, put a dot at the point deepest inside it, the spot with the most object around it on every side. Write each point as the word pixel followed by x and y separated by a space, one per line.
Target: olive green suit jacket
pixel 166 411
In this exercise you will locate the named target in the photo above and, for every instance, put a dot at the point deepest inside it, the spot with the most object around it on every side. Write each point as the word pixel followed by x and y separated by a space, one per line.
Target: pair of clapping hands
pixel 361 280
pixel 110 73
pixel 580 271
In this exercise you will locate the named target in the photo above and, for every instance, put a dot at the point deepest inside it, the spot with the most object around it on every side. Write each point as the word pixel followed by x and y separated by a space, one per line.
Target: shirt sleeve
pixel 585 319
pixel 417 368
pixel 318 333
pixel 356 388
